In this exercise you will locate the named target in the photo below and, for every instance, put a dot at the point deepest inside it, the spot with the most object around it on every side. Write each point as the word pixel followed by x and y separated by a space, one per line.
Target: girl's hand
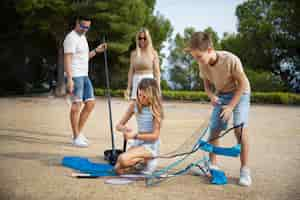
pixel 226 113
pixel 214 100
pixel 129 135
pixel 126 129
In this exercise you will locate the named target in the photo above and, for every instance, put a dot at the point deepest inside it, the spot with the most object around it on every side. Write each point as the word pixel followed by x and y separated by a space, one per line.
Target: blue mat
pixel 225 151
pixel 85 166
pixel 218 177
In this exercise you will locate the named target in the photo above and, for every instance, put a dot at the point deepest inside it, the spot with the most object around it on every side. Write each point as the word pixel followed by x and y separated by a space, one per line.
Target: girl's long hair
pixel 149 48
pixel 150 87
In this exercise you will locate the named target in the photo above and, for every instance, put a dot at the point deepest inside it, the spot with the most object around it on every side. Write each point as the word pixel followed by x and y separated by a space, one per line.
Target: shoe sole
pixel 244 185
pixel 81 146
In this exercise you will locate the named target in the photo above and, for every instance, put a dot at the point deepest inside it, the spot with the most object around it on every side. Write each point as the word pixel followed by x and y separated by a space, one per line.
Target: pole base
pixel 112 155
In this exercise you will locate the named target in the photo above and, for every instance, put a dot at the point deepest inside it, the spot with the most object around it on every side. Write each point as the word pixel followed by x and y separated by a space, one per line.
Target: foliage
pixel 269 31
pixel 117 20
pixel 264 81
pixel 256 97
pixel 184 73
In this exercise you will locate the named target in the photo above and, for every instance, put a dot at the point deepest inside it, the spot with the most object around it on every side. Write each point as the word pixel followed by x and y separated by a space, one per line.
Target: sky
pixel 200 14
pixel 218 14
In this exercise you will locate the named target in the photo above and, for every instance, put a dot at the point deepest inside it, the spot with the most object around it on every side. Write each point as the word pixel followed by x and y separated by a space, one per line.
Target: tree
pixel 215 39
pixel 48 17
pixel 185 71
pixel 270 33
pixel 235 43
pixel 118 21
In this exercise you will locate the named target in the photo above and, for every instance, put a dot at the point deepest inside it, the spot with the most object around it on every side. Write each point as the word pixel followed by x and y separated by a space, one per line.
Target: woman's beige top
pixel 142 64
pixel 221 75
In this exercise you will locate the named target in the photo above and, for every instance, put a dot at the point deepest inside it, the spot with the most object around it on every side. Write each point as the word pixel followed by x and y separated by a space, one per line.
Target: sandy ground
pixel 35 135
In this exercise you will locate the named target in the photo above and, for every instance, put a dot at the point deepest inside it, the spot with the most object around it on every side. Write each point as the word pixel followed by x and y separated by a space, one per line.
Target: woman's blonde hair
pixel 150 87
pixel 149 48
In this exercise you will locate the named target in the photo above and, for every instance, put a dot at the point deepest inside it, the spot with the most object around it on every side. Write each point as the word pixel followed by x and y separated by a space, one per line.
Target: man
pixel 79 86
pixel 224 72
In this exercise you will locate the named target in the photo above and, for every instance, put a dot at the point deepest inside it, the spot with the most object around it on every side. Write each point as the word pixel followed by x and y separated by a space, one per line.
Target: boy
pixel 224 71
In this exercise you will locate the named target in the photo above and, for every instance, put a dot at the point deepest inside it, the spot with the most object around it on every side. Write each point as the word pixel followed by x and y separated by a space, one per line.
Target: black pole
pixel 124 145
pixel 109 101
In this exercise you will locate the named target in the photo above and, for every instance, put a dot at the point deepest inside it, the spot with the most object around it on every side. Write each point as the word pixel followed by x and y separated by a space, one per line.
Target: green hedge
pixel 276 98
pixel 185 95
pixel 262 81
pixel 256 97
pixel 113 93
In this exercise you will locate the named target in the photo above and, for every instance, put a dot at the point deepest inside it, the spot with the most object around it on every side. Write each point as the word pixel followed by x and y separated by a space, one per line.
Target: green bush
pixel 262 81
pixel 113 93
pixel 256 97
pixel 275 98
pixel 185 95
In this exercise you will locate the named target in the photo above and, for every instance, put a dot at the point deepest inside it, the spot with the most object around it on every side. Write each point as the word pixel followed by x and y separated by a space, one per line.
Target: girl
pixel 149 114
pixel 144 63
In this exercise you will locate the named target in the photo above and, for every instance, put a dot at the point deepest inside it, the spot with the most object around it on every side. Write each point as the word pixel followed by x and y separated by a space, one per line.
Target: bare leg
pixel 74 117
pixel 212 156
pixel 86 111
pixel 244 143
pixel 131 157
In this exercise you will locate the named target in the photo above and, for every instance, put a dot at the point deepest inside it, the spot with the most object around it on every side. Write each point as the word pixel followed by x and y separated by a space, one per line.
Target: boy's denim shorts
pixel 83 89
pixel 240 112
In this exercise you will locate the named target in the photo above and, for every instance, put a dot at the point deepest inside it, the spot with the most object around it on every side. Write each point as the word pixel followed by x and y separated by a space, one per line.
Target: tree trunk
pixel 60 86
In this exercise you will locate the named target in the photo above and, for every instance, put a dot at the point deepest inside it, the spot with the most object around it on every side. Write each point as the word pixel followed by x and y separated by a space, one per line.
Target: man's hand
pixel 226 113
pixel 214 100
pixel 70 86
pixel 100 48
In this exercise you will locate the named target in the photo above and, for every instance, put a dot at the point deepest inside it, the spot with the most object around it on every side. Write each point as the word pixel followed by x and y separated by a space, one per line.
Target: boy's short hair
pixel 199 41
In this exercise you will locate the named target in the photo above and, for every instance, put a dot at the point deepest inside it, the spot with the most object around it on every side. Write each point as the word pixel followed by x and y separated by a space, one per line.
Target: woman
pixel 144 63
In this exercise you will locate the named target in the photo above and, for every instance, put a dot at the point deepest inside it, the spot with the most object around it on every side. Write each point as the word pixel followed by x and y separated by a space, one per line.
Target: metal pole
pixel 109 100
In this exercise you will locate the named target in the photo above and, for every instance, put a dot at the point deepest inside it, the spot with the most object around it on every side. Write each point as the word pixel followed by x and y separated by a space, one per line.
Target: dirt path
pixel 35 135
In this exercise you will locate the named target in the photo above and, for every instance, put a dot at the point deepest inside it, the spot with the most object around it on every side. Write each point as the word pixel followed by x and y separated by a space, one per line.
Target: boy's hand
pixel 214 100
pixel 226 113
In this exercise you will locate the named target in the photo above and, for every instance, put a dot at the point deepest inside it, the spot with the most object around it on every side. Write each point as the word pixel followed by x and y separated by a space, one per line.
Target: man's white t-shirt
pixel 78 46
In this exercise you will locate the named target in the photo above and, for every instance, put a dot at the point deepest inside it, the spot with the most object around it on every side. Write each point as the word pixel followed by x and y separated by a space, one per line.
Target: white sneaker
pixel 150 167
pixel 245 178
pixel 83 137
pixel 215 167
pixel 79 142
pixel 212 166
pixel 199 170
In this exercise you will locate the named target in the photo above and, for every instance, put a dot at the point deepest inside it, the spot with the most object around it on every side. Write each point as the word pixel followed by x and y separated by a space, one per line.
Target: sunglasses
pixel 142 38
pixel 84 27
